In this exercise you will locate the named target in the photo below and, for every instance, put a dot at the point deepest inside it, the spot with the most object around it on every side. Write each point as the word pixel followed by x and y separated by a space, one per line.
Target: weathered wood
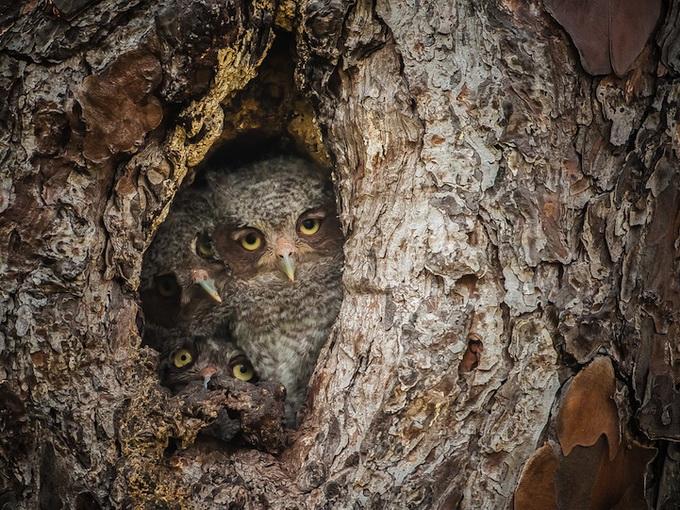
pixel 509 219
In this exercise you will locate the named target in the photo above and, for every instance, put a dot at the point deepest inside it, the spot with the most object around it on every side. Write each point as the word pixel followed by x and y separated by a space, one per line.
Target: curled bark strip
pixel 536 488
pixel 589 409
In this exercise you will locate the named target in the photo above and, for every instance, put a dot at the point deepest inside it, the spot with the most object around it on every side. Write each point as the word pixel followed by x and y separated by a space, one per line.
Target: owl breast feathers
pixel 279 239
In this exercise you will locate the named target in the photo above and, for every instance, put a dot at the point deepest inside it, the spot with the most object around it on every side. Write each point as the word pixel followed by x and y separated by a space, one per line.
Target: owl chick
pixel 199 359
pixel 279 238
pixel 178 291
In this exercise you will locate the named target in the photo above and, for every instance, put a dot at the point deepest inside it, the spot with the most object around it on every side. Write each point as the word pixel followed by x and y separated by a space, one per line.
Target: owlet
pixel 198 359
pixel 278 235
pixel 178 292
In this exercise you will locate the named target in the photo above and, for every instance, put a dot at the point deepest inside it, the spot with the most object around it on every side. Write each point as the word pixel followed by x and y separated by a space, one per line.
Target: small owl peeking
pixel 199 359
pixel 202 369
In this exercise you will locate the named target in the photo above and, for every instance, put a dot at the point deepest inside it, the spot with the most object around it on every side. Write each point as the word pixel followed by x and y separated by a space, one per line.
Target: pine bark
pixel 512 234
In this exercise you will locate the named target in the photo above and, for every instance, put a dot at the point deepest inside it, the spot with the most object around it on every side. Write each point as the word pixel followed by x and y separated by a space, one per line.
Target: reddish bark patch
pixel 536 489
pixel 118 106
pixel 589 410
pixel 472 355
pixel 609 35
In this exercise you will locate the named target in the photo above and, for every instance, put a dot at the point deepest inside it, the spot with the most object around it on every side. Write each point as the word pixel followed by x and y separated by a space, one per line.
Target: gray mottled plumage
pixel 200 358
pixel 173 272
pixel 279 316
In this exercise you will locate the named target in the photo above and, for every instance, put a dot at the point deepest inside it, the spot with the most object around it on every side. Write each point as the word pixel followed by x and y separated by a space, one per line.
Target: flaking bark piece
pixel 589 409
pixel 631 22
pixel 118 106
pixel 202 403
pixel 589 479
pixel 577 473
pixel 259 408
pixel 608 35
pixel 536 488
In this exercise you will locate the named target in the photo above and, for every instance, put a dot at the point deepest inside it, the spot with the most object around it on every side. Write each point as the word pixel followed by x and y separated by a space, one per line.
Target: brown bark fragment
pixel 588 478
pixel 472 355
pixel 631 23
pixel 536 487
pixel 118 106
pixel 608 35
pixel 589 410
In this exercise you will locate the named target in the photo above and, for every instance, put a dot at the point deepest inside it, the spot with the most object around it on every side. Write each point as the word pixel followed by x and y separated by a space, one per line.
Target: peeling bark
pixel 510 221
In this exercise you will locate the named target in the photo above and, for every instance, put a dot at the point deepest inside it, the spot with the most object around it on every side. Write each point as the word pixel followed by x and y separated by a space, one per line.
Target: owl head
pixel 199 359
pixel 274 219
pixel 177 276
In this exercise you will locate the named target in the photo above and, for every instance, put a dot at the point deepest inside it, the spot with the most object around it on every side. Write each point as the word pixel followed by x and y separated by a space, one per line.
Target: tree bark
pixel 511 276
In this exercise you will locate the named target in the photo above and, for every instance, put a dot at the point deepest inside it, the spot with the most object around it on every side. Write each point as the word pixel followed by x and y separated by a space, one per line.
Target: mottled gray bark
pixel 511 222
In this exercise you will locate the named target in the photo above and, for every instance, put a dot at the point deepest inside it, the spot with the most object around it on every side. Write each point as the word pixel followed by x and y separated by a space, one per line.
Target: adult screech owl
pixel 178 292
pixel 279 238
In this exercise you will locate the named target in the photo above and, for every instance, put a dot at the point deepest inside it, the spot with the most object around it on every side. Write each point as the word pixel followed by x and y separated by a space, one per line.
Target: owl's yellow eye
pixel 251 241
pixel 182 358
pixel 310 226
pixel 243 372
pixel 167 286
pixel 204 246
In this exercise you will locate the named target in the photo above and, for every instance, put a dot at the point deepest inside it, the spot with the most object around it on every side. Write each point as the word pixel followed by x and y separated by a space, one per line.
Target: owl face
pixel 279 250
pixel 201 358
pixel 277 224
pixel 177 277
pixel 175 297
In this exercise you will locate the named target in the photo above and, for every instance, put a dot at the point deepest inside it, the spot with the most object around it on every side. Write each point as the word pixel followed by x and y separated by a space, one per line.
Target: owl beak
pixel 201 277
pixel 284 249
pixel 209 287
pixel 207 373
pixel 287 266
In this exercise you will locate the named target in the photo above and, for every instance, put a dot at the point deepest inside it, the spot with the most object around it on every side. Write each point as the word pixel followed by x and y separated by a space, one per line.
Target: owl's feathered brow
pixel 279 238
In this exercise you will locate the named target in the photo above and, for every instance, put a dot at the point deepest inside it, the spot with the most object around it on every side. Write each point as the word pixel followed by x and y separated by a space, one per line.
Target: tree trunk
pixel 509 329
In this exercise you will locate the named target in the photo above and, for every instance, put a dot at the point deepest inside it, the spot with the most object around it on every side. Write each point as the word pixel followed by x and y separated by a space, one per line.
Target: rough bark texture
pixel 511 259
